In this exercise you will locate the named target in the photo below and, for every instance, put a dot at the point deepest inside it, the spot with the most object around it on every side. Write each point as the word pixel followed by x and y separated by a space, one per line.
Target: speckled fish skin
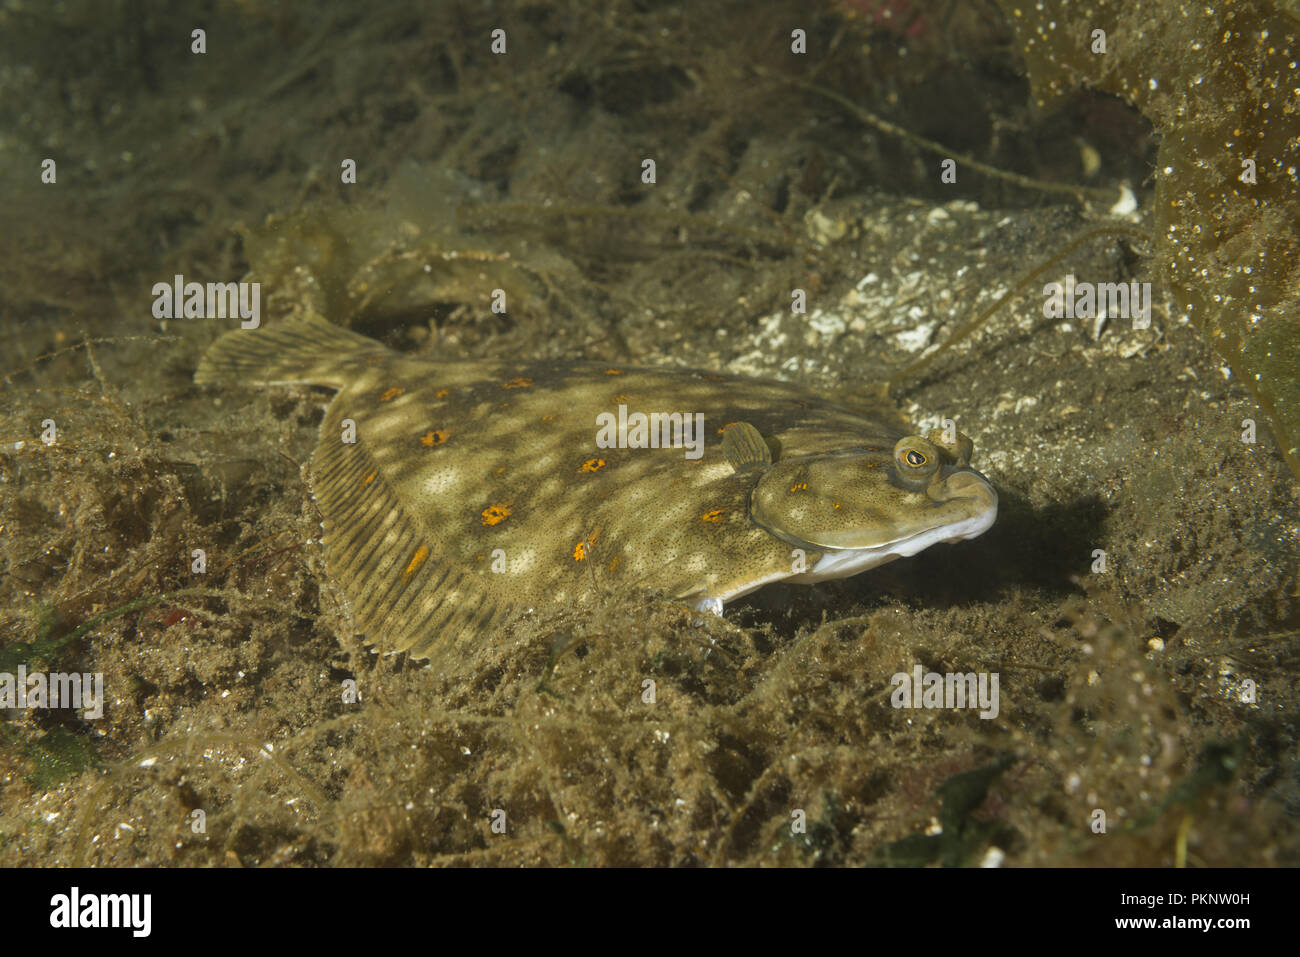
pixel 475 490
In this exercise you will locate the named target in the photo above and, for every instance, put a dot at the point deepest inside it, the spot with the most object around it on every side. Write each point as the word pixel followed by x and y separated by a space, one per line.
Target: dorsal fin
pixel 744 447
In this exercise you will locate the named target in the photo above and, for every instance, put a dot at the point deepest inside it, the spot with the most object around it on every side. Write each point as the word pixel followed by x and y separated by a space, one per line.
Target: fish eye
pixel 917 461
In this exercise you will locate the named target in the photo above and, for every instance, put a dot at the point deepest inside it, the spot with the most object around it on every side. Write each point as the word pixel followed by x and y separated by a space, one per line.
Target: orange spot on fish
pixel 374 473
pixel 442 393
pixel 620 398
pixel 495 514
pixel 550 417
pixel 419 558
pixel 618 560
pixel 390 394
pixel 583 547
pixel 523 382
pixel 715 515
pixel 801 487
pixel 434 437
pixel 613 372
pixel 592 465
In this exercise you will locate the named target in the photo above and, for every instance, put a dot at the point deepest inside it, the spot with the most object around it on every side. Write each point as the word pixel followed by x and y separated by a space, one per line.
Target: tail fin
pixel 306 351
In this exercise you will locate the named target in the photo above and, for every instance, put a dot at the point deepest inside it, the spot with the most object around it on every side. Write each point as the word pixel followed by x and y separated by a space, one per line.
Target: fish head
pixel 863 507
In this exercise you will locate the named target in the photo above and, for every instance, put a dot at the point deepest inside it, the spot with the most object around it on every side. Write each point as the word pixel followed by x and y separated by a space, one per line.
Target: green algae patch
pixel 56 756
pixel 1221 84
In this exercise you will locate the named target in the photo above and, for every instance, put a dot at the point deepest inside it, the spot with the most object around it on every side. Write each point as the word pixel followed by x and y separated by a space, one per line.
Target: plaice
pixel 456 494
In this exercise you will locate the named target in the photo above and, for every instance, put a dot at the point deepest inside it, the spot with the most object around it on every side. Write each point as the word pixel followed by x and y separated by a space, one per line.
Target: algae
pixel 1221 84
pixel 960 833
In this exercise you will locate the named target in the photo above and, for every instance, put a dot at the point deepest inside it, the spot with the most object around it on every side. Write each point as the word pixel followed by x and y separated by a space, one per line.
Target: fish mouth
pixel 981 498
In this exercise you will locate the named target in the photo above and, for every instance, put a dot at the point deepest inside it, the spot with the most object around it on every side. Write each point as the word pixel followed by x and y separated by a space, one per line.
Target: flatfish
pixel 458 495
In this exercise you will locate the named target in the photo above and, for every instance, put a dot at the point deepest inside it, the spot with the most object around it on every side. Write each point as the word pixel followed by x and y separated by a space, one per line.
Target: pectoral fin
pixel 744 447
